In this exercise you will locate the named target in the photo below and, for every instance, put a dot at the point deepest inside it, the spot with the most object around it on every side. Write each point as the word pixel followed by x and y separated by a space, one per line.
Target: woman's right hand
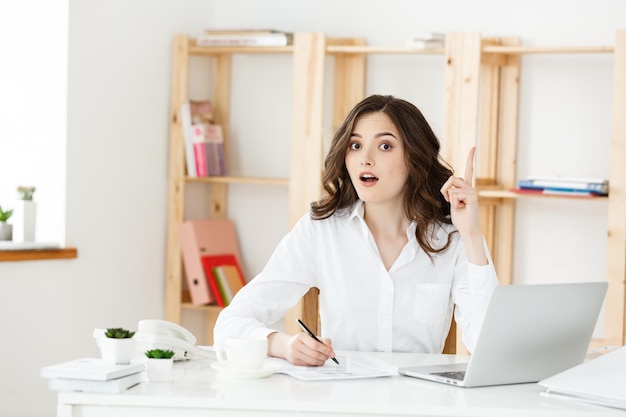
pixel 300 349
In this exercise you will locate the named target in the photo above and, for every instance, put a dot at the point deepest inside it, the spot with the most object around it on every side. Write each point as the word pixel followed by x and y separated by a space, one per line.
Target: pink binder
pixel 199 238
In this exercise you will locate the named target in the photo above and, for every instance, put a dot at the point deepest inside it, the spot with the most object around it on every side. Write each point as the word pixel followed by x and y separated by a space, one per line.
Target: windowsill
pixel 37 254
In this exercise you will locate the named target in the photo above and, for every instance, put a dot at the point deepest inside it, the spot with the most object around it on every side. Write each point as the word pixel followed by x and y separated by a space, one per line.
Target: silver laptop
pixel 529 333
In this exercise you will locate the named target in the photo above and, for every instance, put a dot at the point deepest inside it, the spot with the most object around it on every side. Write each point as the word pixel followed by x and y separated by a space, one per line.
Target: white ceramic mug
pixel 244 353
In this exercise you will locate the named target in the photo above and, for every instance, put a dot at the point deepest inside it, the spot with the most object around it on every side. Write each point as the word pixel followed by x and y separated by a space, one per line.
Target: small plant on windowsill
pixel 26 192
pixel 25 221
pixel 5 215
pixel 6 230
pixel 118 345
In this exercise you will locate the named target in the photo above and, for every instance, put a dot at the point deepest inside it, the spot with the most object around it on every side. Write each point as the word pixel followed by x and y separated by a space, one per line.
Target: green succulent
pixel 119 333
pixel 159 354
pixel 4 215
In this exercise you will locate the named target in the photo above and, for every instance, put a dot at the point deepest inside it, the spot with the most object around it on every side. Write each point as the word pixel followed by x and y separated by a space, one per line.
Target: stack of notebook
pixel 93 375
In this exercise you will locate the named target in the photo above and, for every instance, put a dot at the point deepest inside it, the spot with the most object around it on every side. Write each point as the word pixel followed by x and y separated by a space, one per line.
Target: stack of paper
pixel 426 40
pixel 93 375
pixel 599 381
pixel 244 37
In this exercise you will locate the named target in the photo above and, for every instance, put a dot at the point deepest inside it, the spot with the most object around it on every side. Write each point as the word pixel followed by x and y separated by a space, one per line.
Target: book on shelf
pixel 428 36
pixel 219 282
pixel 91 369
pixel 200 159
pixel 110 386
pixel 246 38
pixel 200 238
pixel 229 280
pixel 565 185
pixel 201 111
pixel 219 272
pixel 548 191
pixel 244 31
pixel 426 40
pixel 232 280
pixel 219 158
pixel 212 149
pixel 185 120
pixel 193 112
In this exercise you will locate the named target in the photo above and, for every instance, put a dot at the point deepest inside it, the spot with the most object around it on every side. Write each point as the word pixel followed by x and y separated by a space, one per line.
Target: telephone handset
pixel 161 334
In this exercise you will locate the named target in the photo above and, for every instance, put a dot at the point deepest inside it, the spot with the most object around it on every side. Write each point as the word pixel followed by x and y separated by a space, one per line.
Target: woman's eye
pixel 385 146
pixel 355 146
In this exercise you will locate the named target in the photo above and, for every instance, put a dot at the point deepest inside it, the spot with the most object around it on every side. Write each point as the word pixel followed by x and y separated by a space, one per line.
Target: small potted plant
pixel 160 364
pixel 25 193
pixel 6 230
pixel 117 345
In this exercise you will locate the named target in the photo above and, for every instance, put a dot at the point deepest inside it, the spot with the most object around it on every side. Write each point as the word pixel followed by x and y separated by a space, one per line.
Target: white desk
pixel 197 390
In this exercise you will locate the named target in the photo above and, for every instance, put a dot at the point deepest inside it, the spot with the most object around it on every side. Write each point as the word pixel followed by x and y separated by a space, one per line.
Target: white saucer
pixel 224 367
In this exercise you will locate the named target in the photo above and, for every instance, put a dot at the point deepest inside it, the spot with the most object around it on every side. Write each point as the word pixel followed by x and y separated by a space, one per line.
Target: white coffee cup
pixel 244 353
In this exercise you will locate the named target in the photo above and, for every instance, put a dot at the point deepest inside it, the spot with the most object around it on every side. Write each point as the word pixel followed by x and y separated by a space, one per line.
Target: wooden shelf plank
pixel 239 180
pixel 208 308
pixel 38 254
pixel 547 49
pixel 352 49
pixel 219 50
pixel 505 194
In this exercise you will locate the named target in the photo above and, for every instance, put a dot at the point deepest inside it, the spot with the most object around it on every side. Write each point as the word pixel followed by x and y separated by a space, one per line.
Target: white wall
pixel 117 130
pixel 116 161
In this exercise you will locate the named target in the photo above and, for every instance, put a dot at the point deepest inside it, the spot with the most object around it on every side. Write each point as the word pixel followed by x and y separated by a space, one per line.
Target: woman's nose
pixel 366 159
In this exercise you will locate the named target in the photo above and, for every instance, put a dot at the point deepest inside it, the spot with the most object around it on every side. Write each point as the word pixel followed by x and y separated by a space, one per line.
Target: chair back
pixel 310 315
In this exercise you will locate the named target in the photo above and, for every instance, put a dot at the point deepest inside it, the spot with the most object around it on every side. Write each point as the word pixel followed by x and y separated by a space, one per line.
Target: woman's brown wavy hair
pixel 423 201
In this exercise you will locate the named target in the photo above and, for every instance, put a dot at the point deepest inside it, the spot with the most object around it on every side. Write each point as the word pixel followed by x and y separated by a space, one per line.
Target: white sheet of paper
pixel 349 367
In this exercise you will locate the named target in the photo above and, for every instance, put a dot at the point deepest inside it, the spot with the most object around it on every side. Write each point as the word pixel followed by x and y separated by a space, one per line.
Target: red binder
pixel 213 261
pixel 200 238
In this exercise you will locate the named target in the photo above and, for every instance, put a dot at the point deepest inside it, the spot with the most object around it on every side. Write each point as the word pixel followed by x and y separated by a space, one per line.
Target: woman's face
pixel 375 159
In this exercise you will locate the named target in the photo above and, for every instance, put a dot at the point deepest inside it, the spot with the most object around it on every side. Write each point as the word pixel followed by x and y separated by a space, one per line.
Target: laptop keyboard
pixel 458 375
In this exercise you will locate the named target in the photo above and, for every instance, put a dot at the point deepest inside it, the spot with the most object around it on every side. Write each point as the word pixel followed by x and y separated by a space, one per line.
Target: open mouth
pixel 368 178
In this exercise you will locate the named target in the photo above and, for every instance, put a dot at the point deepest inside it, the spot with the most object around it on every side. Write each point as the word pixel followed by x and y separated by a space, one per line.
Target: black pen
pixel 306 329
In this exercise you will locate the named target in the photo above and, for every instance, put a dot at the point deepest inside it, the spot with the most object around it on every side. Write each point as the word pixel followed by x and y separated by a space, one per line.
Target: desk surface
pixel 198 390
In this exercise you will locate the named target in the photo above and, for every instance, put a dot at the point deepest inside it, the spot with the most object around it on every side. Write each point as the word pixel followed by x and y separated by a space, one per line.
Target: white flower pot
pixel 24 221
pixel 159 370
pixel 117 351
pixel 6 231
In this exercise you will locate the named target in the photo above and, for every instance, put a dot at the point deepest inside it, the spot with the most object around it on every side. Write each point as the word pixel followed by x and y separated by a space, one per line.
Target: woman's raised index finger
pixel 469 168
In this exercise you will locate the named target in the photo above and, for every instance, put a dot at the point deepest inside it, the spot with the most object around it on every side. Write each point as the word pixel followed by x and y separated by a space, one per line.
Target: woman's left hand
pixel 463 199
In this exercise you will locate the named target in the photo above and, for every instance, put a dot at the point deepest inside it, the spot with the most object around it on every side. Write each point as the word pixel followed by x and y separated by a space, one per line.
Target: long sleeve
pixel 287 276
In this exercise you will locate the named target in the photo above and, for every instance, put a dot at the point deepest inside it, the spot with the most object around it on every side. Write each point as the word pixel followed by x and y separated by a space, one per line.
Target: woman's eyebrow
pixel 378 135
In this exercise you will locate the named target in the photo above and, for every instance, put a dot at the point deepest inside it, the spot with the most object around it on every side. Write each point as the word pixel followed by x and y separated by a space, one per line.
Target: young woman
pixel 393 247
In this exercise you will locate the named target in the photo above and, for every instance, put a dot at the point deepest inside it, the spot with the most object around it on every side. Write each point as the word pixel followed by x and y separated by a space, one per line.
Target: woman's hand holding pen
pixel 463 200
pixel 300 349
pixel 307 351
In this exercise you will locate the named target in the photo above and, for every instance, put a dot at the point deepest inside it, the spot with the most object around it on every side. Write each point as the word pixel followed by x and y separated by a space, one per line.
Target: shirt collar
pixel 358 211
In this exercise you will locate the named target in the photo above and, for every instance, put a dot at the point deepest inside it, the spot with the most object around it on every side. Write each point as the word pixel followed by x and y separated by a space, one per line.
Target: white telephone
pixel 161 334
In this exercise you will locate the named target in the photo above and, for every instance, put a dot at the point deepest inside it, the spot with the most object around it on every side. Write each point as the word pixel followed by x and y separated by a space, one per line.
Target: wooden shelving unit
pixel 304 179
pixel 481 108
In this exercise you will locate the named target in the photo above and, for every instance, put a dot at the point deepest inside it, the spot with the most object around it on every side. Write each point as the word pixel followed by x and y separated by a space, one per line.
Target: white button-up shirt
pixel 364 306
